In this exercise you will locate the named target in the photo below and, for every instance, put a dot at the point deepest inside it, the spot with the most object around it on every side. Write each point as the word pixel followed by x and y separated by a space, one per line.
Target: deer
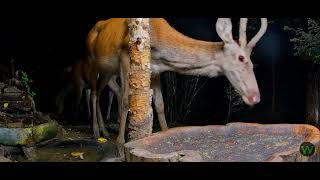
pixel 107 44
pixel 76 77
pixel 78 80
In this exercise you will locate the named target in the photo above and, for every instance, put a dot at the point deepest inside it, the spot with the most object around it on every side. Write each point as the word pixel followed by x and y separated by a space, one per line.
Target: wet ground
pixel 70 145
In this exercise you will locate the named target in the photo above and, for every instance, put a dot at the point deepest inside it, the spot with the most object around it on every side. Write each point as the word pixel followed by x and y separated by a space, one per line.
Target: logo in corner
pixel 307 149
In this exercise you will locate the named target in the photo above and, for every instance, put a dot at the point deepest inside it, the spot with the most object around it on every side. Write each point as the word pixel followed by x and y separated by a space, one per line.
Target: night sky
pixel 44 43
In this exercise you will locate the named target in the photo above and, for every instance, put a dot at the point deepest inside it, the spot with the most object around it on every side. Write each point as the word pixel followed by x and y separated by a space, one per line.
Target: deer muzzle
pixel 252 98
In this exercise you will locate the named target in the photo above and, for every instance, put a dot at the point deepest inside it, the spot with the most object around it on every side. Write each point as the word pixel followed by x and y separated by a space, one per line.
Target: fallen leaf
pixel 102 140
pixel 5 105
pixel 77 155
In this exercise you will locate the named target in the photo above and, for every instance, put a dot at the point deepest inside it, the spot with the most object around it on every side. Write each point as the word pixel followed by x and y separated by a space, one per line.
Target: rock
pixel 3 159
pixel 14 106
pixel 15 125
pixel 12 90
pixel 12 102
pixel 9 150
pixel 28 136
pixel 28 152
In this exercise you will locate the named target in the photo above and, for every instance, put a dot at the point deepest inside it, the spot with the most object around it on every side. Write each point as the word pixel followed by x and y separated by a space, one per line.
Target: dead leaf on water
pixel 77 155
pixel 102 140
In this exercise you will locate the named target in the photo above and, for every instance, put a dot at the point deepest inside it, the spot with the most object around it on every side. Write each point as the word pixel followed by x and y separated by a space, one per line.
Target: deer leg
pixel 104 81
pixel 88 92
pixel 113 85
pixel 109 105
pixel 124 93
pixel 158 101
pixel 94 106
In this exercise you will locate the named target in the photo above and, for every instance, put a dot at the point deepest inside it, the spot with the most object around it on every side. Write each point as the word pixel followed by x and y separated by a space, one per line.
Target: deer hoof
pixel 120 140
pixel 96 133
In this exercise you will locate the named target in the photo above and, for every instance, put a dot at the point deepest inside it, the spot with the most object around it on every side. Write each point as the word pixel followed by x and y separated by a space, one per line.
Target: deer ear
pixel 224 29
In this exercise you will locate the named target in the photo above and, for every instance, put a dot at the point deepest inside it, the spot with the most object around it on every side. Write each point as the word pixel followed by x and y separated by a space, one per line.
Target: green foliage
pixel 26 82
pixel 306 41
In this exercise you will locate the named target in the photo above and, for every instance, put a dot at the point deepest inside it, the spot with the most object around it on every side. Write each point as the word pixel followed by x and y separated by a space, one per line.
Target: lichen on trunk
pixel 140 94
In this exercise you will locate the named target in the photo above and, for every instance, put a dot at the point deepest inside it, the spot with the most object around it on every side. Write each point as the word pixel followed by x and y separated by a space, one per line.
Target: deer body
pixel 78 80
pixel 107 45
pixel 169 47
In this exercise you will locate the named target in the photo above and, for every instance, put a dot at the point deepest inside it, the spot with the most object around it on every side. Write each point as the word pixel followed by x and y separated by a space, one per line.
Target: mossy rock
pixel 29 135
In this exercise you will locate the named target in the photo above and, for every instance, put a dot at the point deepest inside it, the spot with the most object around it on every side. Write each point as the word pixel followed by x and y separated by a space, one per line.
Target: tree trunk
pixel 140 94
pixel 313 97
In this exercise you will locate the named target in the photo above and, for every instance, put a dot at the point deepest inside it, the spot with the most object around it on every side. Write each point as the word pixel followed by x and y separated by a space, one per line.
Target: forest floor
pixel 29 135
pixel 72 144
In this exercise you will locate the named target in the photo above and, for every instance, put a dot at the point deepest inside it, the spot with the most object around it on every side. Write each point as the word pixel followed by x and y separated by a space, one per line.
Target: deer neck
pixel 173 51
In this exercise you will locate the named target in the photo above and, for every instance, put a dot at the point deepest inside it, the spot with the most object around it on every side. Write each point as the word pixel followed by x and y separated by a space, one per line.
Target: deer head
pixel 236 63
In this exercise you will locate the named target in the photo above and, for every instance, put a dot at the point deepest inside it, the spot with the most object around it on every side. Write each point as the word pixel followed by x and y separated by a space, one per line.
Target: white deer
pixel 107 44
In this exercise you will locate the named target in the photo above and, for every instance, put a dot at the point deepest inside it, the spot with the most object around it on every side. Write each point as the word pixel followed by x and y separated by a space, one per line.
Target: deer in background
pixel 107 44
pixel 78 76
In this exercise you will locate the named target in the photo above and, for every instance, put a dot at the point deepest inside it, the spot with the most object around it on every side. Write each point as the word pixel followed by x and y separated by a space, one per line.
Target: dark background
pixel 44 43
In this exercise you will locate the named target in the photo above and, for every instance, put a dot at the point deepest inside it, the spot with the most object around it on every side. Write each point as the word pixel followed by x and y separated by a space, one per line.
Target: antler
pixel 256 38
pixel 242 32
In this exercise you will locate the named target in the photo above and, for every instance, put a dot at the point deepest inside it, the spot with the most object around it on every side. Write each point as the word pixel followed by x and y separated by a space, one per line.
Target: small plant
pixel 26 82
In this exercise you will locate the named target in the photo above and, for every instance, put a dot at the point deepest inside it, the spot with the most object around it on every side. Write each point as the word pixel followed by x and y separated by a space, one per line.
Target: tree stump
pixel 235 142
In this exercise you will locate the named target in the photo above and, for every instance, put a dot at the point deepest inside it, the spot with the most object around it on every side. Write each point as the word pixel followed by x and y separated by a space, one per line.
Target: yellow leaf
pixel 5 105
pixel 102 140
pixel 77 155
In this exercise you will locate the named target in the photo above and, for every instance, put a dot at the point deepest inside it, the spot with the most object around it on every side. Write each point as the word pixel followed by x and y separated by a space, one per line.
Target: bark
pixel 313 97
pixel 140 94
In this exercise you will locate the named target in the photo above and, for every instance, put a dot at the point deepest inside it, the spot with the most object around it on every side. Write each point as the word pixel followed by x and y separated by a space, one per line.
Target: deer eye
pixel 241 58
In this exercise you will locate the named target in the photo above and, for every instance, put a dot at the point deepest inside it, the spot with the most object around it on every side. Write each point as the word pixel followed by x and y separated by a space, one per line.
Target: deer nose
pixel 254 98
